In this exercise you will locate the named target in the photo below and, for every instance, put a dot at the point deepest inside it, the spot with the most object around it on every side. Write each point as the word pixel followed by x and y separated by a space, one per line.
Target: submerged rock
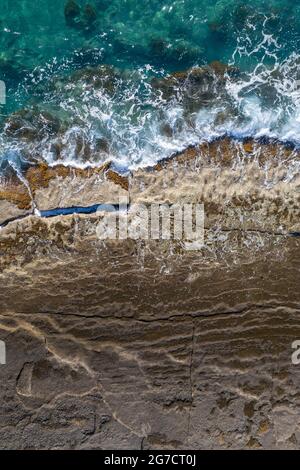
pixel 89 15
pixel 85 113
pixel 243 186
pixel 15 198
pixel 102 76
pixel 78 311
pixel 80 18
pixel 60 186
pixel 72 12
pixel 31 124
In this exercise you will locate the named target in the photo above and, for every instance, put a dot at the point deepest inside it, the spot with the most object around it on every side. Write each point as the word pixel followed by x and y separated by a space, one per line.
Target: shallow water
pixel 127 117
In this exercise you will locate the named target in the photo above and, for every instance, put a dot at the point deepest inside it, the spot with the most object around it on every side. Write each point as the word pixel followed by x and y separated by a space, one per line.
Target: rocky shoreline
pixel 142 344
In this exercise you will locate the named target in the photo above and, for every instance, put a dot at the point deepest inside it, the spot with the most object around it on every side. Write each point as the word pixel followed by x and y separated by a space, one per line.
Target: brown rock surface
pixel 248 186
pixel 142 344
pixel 15 199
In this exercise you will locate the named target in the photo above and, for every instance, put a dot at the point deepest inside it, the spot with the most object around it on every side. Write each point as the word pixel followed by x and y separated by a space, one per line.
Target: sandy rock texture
pixel 124 344
pixel 15 199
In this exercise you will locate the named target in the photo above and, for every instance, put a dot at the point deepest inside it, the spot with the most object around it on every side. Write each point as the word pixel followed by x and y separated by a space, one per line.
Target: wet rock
pixel 215 26
pixel 30 124
pixel 197 86
pixel 158 46
pixel 87 57
pixel 102 145
pixel 80 18
pixel 15 199
pixel 61 186
pixel 242 185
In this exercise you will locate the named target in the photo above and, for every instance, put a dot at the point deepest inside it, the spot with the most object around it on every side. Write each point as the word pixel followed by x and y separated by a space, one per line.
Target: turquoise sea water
pixel 76 112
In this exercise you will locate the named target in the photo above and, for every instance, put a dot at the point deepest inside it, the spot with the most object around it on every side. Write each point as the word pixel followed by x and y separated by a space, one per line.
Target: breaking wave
pixel 136 117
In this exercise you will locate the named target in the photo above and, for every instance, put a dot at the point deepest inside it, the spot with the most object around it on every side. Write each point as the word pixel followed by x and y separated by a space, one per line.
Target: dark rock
pixel 82 19
pixel 196 87
pixel 102 145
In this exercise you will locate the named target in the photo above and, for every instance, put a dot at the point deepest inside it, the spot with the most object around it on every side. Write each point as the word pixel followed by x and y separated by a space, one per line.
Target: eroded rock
pixel 243 186
pixel 15 199
pixel 143 344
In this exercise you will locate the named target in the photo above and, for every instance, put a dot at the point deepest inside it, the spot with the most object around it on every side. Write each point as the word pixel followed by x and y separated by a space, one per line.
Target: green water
pixel 40 40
